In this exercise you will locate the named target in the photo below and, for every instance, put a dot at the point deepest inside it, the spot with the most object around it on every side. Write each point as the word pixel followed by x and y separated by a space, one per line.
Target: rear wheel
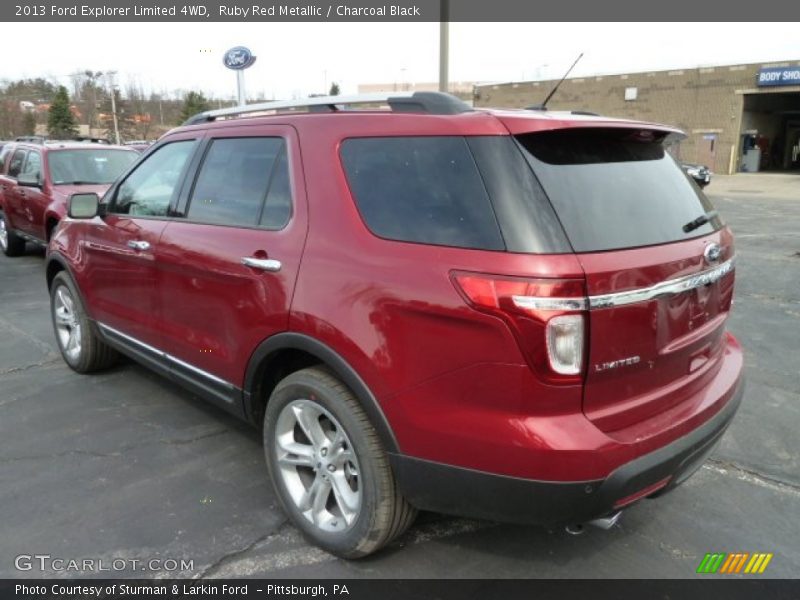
pixel 329 467
pixel 10 243
pixel 78 342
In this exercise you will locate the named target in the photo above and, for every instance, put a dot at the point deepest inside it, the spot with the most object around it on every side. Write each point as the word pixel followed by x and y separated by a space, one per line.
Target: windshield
pixel 616 188
pixel 89 166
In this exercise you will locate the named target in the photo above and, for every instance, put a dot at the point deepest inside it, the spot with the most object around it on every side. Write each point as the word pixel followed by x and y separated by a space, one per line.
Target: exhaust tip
pixel 606 522
pixel 574 528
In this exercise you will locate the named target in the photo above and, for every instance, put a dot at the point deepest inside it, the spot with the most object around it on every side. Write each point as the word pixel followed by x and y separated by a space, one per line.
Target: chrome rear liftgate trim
pixel 669 287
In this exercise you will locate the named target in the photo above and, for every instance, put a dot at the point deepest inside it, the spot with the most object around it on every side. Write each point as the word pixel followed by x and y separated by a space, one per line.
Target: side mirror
pixel 83 206
pixel 29 180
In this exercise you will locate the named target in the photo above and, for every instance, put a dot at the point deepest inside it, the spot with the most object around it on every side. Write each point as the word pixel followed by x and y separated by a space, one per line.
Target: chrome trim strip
pixel 665 288
pixel 194 369
pixel 125 336
pixel 166 356
pixel 544 303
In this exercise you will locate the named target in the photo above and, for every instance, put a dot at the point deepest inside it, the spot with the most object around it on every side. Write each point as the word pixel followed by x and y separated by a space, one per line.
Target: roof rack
pixel 434 103
pixel 31 139
pixel 90 139
pixel 43 139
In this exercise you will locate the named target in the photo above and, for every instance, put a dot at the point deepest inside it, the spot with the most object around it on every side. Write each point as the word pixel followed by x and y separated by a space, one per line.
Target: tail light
pixel 547 317
pixel 565 344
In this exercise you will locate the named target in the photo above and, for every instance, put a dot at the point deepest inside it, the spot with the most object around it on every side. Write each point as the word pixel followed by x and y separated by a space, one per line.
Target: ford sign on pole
pixel 239 58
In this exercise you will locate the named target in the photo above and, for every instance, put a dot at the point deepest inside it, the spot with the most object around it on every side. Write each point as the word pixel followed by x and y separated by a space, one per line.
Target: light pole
pixel 444 44
pixel 110 78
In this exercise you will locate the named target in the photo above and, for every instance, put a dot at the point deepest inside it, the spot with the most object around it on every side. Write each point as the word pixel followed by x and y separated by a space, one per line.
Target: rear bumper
pixel 470 493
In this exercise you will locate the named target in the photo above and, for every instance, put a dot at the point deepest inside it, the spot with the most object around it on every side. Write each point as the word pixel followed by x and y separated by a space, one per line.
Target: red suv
pixel 37 178
pixel 512 315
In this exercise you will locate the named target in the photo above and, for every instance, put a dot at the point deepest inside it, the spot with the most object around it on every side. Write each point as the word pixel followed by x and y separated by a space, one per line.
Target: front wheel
pixel 79 344
pixel 10 243
pixel 329 467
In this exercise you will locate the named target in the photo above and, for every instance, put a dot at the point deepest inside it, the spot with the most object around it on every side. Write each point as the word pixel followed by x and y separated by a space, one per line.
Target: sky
pixel 295 59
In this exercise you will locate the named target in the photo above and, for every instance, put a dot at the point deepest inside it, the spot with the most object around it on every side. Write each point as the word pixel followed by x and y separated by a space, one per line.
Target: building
pixel 736 117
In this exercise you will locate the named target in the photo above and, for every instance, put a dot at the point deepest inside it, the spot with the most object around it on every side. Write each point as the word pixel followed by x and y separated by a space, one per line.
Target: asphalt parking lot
pixel 126 465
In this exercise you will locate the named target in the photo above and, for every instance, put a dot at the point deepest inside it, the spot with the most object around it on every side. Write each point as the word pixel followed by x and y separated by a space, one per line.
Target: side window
pixel 278 208
pixel 5 153
pixel 33 166
pixel 16 163
pixel 150 188
pixel 421 189
pixel 243 181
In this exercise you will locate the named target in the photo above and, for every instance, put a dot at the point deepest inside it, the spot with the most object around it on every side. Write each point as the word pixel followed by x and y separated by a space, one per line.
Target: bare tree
pixel 88 94
pixel 141 108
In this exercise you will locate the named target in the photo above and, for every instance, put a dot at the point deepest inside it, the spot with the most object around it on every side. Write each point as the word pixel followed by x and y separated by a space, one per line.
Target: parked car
pixel 36 178
pixel 509 315
pixel 138 145
pixel 700 173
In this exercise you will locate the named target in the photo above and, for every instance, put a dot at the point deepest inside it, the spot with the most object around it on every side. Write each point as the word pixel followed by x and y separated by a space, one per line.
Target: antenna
pixel 543 105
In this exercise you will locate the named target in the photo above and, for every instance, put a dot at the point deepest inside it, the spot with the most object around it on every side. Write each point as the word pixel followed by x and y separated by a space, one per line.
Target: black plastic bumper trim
pixel 470 493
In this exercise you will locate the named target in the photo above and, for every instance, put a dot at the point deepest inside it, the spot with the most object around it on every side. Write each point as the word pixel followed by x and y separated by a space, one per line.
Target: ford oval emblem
pixel 238 58
pixel 712 253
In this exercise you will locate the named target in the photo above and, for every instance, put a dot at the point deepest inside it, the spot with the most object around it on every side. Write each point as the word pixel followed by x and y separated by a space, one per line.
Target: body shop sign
pixel 779 76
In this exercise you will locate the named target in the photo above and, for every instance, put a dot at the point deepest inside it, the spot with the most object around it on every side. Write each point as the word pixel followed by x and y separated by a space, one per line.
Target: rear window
pixel 615 188
pixel 421 189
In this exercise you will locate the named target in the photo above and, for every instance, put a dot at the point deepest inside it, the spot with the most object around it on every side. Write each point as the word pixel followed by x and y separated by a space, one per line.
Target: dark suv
pixel 512 315
pixel 37 177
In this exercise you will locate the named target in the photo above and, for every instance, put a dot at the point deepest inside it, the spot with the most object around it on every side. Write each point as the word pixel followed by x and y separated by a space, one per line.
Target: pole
pixel 240 87
pixel 444 44
pixel 110 75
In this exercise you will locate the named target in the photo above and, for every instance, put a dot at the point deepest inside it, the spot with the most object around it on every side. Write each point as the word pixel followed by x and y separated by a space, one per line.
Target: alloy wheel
pixel 318 465
pixel 68 327
pixel 3 233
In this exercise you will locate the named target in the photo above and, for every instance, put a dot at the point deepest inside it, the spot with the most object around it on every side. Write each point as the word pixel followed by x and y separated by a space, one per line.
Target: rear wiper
pixel 700 221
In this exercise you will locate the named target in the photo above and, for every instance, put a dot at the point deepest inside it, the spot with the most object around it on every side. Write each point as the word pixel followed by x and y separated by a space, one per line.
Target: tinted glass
pixel 232 184
pixel 149 189
pixel 33 166
pixel 16 163
pixel 5 154
pixel 615 188
pixel 526 216
pixel 88 166
pixel 278 208
pixel 421 189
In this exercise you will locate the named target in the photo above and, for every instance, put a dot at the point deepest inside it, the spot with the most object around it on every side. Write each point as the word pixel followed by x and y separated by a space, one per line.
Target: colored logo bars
pixel 741 562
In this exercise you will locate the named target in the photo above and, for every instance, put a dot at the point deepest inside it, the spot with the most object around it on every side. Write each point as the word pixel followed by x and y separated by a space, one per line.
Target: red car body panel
pixel 241 306
pixel 452 381
pixel 123 293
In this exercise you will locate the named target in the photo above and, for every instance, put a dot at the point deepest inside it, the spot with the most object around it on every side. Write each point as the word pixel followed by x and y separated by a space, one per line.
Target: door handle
pixel 139 245
pixel 265 264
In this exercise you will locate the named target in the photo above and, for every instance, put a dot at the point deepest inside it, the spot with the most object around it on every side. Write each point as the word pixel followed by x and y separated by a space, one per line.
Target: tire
pixel 10 243
pixel 79 343
pixel 359 508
